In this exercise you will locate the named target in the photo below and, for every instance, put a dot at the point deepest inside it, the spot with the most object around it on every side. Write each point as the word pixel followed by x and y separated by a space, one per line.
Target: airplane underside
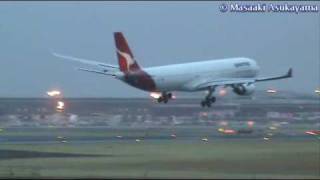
pixel 164 97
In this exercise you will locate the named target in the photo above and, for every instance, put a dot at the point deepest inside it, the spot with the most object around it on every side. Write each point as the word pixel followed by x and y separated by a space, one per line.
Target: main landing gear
pixel 209 98
pixel 164 97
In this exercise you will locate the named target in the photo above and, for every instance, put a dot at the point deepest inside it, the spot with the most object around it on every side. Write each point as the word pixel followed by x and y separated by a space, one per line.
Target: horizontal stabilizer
pixel 97 71
pixel 85 61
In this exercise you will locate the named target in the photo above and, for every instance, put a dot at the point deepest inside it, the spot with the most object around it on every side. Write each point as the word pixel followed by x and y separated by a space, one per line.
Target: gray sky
pixel 159 33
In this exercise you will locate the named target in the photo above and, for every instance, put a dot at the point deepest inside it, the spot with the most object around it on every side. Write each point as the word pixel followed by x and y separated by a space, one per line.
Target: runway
pixel 105 135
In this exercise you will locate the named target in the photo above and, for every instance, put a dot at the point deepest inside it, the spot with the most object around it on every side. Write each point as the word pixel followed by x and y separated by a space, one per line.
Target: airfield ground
pixel 157 155
pixel 103 138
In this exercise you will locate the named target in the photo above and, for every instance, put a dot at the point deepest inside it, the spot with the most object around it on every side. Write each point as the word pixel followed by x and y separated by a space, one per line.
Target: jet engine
pixel 244 89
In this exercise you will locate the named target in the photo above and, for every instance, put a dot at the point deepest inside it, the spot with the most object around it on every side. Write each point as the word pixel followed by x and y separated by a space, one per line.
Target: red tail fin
pixel 125 57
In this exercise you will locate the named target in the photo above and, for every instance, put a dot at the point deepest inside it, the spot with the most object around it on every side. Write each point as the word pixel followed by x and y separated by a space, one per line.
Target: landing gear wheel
pixel 203 103
pixel 208 103
pixel 209 99
pixel 165 97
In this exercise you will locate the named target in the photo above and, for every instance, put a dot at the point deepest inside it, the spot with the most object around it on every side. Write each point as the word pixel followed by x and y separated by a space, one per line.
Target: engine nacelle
pixel 244 89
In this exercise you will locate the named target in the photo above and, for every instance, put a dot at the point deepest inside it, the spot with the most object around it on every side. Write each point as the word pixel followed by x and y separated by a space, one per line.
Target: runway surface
pixel 99 135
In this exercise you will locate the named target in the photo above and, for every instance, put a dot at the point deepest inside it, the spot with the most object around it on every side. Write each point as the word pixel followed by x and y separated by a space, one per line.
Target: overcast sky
pixel 159 33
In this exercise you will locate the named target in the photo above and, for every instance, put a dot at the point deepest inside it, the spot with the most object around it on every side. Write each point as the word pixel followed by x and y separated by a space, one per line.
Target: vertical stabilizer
pixel 126 60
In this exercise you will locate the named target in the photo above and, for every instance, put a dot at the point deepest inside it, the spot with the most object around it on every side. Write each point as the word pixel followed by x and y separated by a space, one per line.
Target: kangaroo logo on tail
pixel 125 57
pixel 129 61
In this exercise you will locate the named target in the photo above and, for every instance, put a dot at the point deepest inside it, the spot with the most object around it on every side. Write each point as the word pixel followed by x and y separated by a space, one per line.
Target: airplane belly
pixel 172 83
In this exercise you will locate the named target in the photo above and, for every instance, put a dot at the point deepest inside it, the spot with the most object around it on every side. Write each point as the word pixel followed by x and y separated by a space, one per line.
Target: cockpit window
pixel 241 64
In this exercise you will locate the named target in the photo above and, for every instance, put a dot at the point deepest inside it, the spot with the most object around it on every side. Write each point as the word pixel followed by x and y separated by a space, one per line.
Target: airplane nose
pixel 254 64
pixel 257 67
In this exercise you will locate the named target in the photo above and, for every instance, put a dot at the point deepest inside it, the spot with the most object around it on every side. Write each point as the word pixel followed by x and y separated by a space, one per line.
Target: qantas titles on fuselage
pixel 238 73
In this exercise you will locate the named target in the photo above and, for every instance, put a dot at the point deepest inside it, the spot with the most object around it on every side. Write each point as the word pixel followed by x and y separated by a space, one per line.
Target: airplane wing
pixel 231 81
pixel 85 61
pixel 223 82
pixel 288 75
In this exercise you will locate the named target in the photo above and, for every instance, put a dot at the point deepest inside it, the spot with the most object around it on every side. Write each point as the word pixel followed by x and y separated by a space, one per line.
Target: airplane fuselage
pixel 184 77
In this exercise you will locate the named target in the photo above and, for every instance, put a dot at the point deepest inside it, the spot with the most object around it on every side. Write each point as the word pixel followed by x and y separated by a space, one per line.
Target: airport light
pixel 271 90
pixel 173 135
pixel 270 134
pixel 266 138
pixel 313 132
pixel 60 137
pixel 60 106
pixel 205 139
pixel 229 131
pixel 53 93
pixel 317 91
pixel 250 123
pixel 222 92
pixel 204 114
pixel 272 127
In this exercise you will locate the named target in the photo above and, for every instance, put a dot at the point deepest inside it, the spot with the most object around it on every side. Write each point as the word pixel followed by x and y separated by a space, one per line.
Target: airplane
pixel 239 73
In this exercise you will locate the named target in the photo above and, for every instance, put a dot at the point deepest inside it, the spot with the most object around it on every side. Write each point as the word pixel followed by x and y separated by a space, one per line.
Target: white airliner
pixel 238 73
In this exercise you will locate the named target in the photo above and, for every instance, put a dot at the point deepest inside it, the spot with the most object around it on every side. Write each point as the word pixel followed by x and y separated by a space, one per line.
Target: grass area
pixel 244 158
